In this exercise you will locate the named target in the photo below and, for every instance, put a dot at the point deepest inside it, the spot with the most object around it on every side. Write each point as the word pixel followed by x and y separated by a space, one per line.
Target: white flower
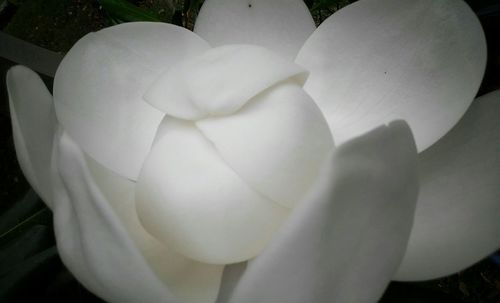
pixel 174 153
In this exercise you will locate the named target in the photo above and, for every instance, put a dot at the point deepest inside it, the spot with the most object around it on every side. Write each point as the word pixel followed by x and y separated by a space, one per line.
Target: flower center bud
pixel 240 145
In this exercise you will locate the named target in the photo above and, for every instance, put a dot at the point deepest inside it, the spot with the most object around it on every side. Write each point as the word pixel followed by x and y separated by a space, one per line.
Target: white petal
pixel 277 143
pixel 33 126
pixel 279 25
pixel 220 81
pixel 91 241
pixel 457 220
pixel 193 202
pixel 345 242
pixel 190 281
pixel 99 86
pixel 376 61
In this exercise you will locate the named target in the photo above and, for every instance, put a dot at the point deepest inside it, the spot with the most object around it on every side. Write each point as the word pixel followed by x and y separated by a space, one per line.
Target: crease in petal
pixel 276 143
pixel 220 81
pixel 457 221
pixel 350 232
pixel 33 125
pixel 280 25
pixel 189 199
pixel 99 85
pixel 375 61
pixel 190 281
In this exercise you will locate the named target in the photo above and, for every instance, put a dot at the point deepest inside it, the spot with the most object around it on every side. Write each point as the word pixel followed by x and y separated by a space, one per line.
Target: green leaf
pixel 20 211
pixel 21 216
pixel 195 4
pixel 23 247
pixel 127 12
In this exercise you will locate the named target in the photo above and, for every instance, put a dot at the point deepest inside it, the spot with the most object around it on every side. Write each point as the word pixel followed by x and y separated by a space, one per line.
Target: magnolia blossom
pixel 167 155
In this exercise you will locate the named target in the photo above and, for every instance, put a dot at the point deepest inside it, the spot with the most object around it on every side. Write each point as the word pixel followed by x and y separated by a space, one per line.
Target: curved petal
pixel 33 126
pixel 90 239
pixel 189 199
pixel 279 25
pixel 220 81
pixel 457 221
pixel 276 143
pixel 376 61
pixel 99 86
pixel 345 242
pixel 95 245
pixel 190 281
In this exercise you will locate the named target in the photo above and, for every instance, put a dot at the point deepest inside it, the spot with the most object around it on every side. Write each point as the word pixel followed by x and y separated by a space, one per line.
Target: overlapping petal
pixel 33 126
pixel 101 242
pixel 90 239
pixel 280 25
pixel 457 218
pixel 99 86
pixel 375 61
pixel 193 202
pixel 277 143
pixel 220 81
pixel 344 243
pixel 190 281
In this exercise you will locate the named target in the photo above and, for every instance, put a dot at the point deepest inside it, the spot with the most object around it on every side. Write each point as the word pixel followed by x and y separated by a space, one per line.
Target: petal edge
pixel 375 61
pixel 457 220
pixel 279 25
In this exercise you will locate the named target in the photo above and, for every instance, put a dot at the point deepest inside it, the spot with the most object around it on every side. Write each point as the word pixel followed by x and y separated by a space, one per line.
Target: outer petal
pixel 279 25
pixel 95 245
pixel 99 86
pixel 376 61
pixel 33 125
pixel 457 220
pixel 276 143
pixel 193 202
pixel 345 242
pixel 191 281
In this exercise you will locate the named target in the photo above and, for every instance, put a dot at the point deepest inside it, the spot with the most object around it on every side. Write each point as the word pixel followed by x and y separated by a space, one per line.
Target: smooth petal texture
pixel 276 143
pixel 457 221
pixel 220 81
pixel 190 281
pixel 33 126
pixel 194 203
pixel 376 61
pixel 99 86
pixel 91 241
pixel 345 242
pixel 279 25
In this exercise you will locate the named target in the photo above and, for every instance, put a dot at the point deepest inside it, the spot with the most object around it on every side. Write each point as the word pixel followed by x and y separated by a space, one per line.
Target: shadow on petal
pixel 346 241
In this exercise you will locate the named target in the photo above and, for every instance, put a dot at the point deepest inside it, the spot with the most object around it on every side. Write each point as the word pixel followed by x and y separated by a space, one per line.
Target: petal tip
pixel 19 73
